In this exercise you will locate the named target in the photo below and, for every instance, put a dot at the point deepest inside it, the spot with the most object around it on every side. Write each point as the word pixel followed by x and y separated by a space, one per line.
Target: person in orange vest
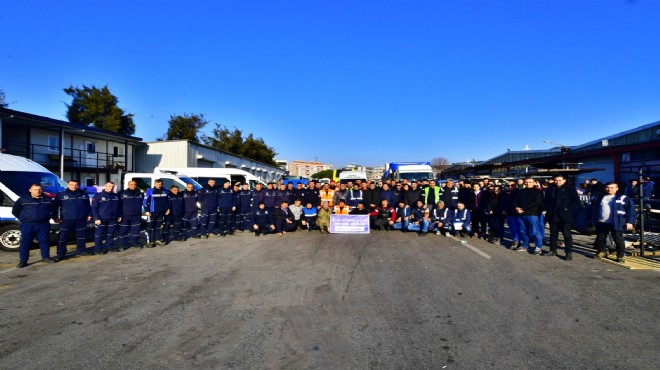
pixel 327 194
pixel 342 208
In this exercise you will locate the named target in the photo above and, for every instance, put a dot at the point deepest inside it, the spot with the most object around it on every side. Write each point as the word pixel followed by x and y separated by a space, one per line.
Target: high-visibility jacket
pixel 326 196
pixel 341 211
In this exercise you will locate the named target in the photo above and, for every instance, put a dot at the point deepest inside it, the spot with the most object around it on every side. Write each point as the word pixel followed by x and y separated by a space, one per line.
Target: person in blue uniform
pixel 190 215
pixel 73 210
pixel 226 206
pixel 157 206
pixel 262 220
pixel 269 195
pixel 244 208
pixel 462 221
pixel 309 216
pixel 174 221
pixel 208 199
pixel 105 210
pixel 441 219
pixel 34 212
pixel 130 201
pixel 257 197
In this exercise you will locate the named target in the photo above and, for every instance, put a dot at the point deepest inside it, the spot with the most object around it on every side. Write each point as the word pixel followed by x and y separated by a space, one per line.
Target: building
pixel 307 169
pixel 84 153
pixel 619 157
pixel 183 153
pixel 283 164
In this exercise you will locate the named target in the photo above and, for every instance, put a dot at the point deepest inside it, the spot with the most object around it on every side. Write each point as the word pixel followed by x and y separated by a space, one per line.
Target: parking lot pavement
pixel 305 300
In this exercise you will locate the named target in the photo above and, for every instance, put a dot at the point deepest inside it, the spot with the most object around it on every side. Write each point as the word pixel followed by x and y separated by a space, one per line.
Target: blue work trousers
pixel 105 232
pixel 30 231
pixel 68 226
pixel 129 231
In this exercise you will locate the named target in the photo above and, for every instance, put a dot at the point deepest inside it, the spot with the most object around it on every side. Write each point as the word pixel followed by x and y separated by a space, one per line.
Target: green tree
pixel 185 127
pixel 98 107
pixel 232 141
pixel 3 100
pixel 323 174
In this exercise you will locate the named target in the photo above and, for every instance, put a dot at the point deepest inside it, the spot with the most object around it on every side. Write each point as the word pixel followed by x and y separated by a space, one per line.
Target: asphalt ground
pixel 386 300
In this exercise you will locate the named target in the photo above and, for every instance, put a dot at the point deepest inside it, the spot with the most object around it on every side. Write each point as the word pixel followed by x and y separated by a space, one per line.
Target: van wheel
pixel 10 238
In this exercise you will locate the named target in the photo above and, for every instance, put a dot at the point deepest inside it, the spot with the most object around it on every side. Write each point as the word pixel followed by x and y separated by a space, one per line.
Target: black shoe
pixel 223 234
pixel 569 256
pixel 48 260
pixel 550 253
pixel 182 239
pixel 105 251
pixel 85 253
pixel 114 250
pixel 197 237
pixel 206 236
pixel 21 264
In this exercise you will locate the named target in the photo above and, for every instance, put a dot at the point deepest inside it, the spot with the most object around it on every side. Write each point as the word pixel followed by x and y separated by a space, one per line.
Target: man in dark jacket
pixel 528 203
pixel 262 219
pixel 372 197
pixel 105 210
pixel 130 207
pixel 283 219
pixel 612 214
pixel 226 207
pixel 190 214
pixel 157 206
pixel 72 206
pixel 174 221
pixel 208 199
pixel 244 208
pixel 561 201
pixel 34 213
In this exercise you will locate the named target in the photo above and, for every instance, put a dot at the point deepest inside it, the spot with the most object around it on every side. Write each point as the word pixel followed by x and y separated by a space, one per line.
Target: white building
pixel 183 153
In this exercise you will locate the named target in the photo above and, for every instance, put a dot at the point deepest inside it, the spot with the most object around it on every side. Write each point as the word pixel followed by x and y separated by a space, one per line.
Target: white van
pixel 146 180
pixel 350 176
pixel 16 176
pixel 220 175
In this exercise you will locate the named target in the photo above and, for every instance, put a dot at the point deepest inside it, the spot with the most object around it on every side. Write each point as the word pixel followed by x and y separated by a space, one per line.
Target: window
pixel 115 151
pixel 167 183
pixel 53 144
pixel 143 183
pixel 90 147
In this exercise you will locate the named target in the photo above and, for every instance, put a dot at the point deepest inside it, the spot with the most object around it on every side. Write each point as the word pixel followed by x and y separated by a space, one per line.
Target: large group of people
pixel 460 208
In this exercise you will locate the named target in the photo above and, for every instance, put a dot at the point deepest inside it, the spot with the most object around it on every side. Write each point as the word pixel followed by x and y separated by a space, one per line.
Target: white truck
pixel 221 175
pixel 408 170
pixel 352 176
pixel 16 176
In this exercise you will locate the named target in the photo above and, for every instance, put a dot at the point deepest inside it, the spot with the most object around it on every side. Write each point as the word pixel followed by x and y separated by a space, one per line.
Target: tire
pixel 10 238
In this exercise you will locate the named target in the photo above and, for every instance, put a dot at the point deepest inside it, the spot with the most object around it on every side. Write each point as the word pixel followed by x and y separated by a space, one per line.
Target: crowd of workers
pixel 463 208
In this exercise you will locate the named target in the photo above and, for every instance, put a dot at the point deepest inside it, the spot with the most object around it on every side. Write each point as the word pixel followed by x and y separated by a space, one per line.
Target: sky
pixel 364 82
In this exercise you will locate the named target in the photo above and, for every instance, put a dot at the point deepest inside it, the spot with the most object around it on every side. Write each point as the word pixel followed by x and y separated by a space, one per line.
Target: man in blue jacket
pixel 208 198
pixel 73 210
pixel 174 221
pixel 244 198
pixel 130 208
pixel 612 214
pixel 157 206
pixel 226 205
pixel 34 213
pixel 190 215
pixel 105 210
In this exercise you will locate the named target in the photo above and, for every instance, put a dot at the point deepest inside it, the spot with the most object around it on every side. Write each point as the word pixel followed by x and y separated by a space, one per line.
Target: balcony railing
pixel 73 158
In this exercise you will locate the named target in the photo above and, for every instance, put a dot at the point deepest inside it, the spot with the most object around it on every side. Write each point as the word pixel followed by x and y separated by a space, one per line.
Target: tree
pixel 232 141
pixel 439 163
pixel 3 100
pixel 185 127
pixel 323 174
pixel 98 107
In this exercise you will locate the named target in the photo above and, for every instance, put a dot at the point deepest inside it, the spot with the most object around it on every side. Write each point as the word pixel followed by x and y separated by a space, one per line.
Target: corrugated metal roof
pixel 46 120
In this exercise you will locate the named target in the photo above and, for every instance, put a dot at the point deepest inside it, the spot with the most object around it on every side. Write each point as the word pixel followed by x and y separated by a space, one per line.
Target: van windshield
pixel 188 180
pixel 19 182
